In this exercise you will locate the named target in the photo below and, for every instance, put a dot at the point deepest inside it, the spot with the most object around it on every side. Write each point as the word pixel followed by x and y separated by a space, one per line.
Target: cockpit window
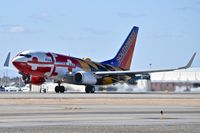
pixel 25 55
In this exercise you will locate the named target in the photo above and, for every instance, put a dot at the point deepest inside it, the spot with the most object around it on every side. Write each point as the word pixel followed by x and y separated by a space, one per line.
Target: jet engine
pixel 85 78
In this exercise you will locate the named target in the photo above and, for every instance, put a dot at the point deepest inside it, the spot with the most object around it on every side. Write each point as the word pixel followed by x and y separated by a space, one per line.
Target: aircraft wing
pixel 110 73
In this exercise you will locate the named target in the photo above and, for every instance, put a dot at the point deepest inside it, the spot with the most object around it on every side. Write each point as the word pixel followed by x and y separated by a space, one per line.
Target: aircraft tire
pixel 57 89
pixel 90 89
pixel 62 89
pixel 87 90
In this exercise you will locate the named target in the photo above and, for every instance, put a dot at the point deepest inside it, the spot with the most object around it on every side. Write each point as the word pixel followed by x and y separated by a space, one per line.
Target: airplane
pixel 36 67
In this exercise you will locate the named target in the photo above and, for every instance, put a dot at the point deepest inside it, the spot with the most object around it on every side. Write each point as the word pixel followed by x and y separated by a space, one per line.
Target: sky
pixel 169 31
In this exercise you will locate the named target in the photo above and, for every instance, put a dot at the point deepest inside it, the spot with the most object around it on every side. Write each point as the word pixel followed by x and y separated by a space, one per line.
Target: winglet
pixel 189 63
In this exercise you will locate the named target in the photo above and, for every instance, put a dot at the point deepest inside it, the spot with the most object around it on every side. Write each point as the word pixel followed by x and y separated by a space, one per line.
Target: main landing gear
pixel 89 89
pixel 59 89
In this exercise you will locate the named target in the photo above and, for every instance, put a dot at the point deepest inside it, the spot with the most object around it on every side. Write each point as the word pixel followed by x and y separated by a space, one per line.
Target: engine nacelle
pixel 85 78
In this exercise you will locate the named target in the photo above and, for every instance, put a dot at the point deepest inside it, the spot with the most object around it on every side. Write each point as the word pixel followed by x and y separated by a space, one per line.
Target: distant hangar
pixel 174 80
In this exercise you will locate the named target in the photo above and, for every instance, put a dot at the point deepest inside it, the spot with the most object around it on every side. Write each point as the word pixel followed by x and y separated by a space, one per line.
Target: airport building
pixel 180 80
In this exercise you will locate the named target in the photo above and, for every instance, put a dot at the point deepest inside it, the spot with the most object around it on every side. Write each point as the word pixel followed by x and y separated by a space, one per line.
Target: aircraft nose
pixel 16 59
pixel 18 62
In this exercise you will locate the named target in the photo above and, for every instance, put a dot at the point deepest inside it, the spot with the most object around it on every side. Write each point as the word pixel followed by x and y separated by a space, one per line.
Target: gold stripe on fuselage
pixel 84 65
pixel 92 64
pixel 107 80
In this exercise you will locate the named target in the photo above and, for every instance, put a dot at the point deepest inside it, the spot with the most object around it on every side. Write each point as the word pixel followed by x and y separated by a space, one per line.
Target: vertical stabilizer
pixel 6 64
pixel 124 56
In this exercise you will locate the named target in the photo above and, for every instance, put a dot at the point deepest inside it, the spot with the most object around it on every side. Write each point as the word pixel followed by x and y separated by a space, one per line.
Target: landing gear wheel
pixel 59 89
pixel 90 89
pixel 62 89
pixel 87 89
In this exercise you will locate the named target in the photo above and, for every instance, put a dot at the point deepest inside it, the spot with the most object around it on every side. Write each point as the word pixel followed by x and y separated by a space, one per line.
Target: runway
pixel 71 112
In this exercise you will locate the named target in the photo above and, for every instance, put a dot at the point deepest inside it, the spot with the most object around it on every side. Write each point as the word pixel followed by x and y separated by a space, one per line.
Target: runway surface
pixel 71 112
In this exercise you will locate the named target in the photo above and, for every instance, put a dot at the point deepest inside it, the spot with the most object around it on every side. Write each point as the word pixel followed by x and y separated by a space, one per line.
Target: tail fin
pixel 124 56
pixel 6 64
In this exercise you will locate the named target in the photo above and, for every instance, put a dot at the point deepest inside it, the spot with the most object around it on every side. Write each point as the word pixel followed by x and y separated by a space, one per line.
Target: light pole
pixel 150 66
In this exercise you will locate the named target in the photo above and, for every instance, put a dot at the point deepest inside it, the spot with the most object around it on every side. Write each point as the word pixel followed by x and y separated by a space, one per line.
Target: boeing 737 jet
pixel 36 67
